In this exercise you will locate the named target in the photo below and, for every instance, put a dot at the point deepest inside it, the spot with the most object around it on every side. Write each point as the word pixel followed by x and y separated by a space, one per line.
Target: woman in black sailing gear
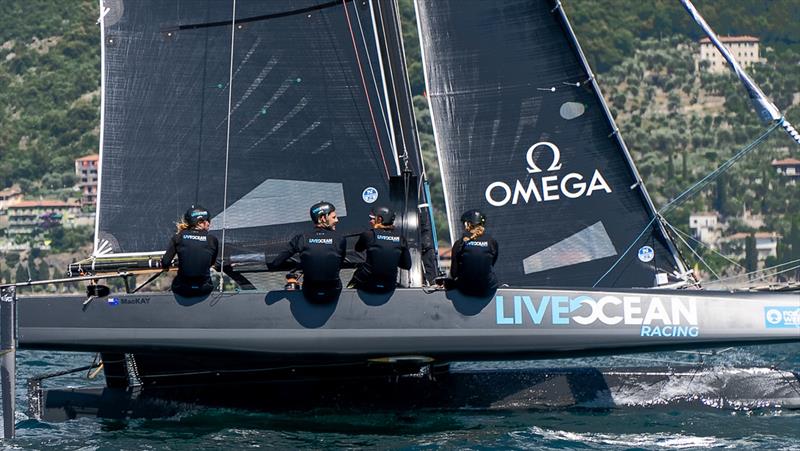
pixel 197 252
pixel 322 251
pixel 385 250
pixel 473 257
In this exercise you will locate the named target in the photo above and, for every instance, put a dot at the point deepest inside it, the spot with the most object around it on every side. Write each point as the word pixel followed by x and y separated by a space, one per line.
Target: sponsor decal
pixel 370 194
pixel 136 300
pixel 646 254
pixel 394 239
pixel 545 188
pixel 195 237
pixel 320 241
pixel 113 302
pixel 657 317
pixel 782 317
pixel 477 243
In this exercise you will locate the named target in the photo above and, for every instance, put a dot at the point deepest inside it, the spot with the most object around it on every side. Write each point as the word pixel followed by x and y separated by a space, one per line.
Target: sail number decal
pixel 677 317
pixel 370 194
pixel 546 188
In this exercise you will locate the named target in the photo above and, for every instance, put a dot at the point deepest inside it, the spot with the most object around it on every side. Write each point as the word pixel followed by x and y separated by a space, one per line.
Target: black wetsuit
pixel 472 265
pixel 322 252
pixel 197 252
pixel 386 251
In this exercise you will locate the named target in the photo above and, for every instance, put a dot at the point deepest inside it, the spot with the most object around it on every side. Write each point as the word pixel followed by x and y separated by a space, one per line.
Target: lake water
pixel 633 427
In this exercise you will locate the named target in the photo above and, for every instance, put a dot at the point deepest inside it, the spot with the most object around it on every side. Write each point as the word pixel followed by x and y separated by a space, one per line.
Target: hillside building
pixel 26 217
pixel 766 244
pixel 788 167
pixel 706 227
pixel 86 168
pixel 744 49
pixel 10 196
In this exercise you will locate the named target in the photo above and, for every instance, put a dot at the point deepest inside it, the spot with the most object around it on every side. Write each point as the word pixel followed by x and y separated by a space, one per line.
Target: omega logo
pixel 546 188
pixel 554 166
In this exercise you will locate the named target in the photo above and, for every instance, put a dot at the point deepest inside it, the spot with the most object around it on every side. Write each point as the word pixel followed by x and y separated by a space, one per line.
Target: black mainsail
pixel 307 120
pixel 524 135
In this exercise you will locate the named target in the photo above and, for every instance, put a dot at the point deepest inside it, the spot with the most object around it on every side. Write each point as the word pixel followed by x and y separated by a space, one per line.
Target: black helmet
pixel 321 209
pixel 474 217
pixel 194 215
pixel 385 213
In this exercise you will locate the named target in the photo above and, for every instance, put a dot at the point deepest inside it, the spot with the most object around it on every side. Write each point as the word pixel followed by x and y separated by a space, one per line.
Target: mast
pixel 410 193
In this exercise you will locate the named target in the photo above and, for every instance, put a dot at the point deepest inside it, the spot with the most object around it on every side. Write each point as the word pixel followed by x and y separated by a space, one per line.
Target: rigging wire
pixel 391 83
pixel 694 189
pixel 228 142
pixel 366 91
pixel 739 276
pixel 681 232
pixel 633 243
pixel 692 249
pixel 384 114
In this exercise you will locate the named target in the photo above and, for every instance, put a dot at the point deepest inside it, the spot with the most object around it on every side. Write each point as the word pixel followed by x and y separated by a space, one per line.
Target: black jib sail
pixel 524 135
pixel 301 84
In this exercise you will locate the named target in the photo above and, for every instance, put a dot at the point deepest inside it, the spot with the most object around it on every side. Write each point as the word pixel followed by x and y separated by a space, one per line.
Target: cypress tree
pixel 43 273
pixel 750 254
pixel 22 274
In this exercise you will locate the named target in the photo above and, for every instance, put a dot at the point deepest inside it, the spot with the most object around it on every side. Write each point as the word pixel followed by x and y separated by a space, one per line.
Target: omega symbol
pixel 554 166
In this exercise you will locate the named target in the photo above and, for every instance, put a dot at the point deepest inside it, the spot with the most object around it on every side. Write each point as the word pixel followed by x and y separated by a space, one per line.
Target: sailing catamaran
pixel 259 116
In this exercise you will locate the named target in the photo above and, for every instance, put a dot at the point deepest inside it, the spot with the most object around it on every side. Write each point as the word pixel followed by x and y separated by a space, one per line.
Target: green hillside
pixel 49 89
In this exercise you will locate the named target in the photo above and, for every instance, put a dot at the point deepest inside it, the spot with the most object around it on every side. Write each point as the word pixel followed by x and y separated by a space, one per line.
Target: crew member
pixel 473 257
pixel 322 251
pixel 385 250
pixel 197 252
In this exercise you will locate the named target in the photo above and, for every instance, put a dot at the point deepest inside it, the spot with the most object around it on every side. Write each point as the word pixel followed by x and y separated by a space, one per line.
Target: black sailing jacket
pixel 472 265
pixel 386 251
pixel 197 251
pixel 321 251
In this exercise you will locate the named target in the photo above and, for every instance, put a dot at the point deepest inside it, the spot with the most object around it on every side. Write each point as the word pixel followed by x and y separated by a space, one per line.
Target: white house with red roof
pixel 743 48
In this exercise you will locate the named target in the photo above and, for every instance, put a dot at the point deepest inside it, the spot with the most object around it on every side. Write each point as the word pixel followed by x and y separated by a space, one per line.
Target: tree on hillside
pixel 722 201
pixel 21 274
pixel 792 247
pixel 750 255
pixel 12 258
pixel 43 272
